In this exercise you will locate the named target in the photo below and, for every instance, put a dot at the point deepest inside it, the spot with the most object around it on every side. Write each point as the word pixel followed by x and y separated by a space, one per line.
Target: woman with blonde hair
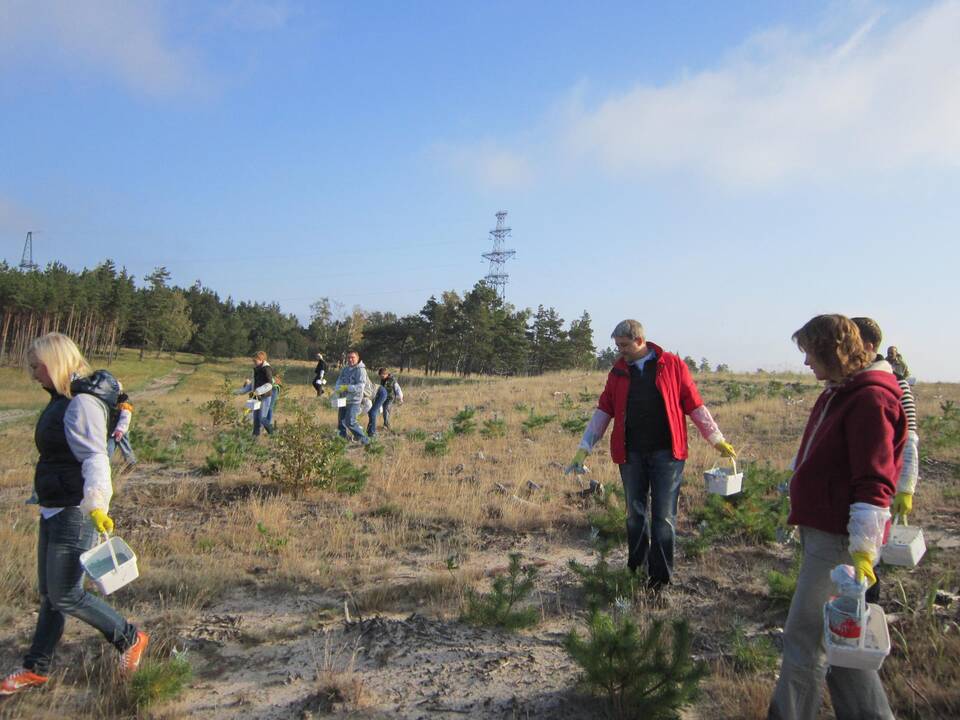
pixel 72 486
pixel 260 388
pixel 844 478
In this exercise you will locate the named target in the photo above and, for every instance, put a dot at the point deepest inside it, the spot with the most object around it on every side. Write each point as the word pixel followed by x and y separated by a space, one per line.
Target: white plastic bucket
pixel 721 481
pixel 338 402
pixel 253 404
pixel 905 545
pixel 111 564
pixel 869 649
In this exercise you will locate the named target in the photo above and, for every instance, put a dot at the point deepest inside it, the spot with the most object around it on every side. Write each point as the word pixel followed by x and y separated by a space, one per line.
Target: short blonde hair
pixel 62 358
pixel 834 340
pixel 260 355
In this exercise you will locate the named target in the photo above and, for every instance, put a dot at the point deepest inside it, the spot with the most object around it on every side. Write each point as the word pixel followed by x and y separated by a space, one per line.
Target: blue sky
pixel 721 175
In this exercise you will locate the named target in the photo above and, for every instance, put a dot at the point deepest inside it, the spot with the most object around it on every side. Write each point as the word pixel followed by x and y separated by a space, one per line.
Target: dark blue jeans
pixel 347 420
pixel 62 539
pixel 263 415
pixel 378 402
pixel 651 480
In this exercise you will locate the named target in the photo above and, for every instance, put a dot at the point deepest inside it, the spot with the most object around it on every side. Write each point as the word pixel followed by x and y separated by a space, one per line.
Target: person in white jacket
pixel 72 486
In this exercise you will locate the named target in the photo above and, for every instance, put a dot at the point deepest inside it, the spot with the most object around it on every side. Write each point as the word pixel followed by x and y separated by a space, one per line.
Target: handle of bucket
pixel 113 553
pixel 734 461
pixel 862 615
pixel 901 518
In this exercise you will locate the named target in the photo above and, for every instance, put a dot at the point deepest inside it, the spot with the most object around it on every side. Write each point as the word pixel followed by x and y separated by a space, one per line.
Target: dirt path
pixel 163 385
pixel 16 414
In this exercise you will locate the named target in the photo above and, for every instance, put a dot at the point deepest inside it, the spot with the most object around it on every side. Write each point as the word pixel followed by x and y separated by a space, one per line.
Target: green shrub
pixel 753 515
pixel 417 435
pixel 535 421
pixel 576 424
pixel 496 608
pixel 231 449
pixel 146 441
pixel 222 409
pixel 603 585
pixel 438 445
pixel 307 454
pixel 751 655
pixel 609 520
pixel 642 677
pixel 270 542
pixel 495 427
pixel 587 396
pixel 943 431
pixel 782 586
pixel 463 422
pixel 159 681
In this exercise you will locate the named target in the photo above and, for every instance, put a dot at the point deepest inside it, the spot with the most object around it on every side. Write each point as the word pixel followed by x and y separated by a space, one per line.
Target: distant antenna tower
pixel 496 277
pixel 26 261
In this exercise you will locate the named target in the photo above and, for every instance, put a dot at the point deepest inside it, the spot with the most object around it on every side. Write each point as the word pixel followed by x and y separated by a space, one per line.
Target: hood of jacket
pixel 101 384
pixel 878 373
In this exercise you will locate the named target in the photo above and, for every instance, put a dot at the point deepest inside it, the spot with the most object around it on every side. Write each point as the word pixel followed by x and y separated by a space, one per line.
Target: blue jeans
pixel 268 408
pixel 62 539
pixel 125 450
pixel 650 543
pixel 387 405
pixel 263 415
pixel 347 420
pixel 378 402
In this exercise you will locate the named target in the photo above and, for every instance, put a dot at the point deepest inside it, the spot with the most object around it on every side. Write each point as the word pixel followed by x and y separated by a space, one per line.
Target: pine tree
pixel 640 678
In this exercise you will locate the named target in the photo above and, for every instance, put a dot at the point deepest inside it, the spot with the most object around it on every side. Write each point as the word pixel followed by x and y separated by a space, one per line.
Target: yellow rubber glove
pixel 863 564
pixel 902 504
pixel 101 521
pixel 725 449
pixel 343 388
pixel 576 465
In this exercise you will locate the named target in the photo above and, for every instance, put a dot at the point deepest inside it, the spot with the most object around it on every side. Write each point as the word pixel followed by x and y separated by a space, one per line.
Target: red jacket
pixel 852 451
pixel 680 397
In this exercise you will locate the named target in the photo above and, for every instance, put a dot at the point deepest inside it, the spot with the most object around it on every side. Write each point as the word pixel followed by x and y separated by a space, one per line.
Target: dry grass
pixel 427 528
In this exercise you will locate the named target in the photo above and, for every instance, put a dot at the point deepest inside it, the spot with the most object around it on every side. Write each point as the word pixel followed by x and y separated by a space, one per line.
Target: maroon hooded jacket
pixel 852 451
pixel 680 397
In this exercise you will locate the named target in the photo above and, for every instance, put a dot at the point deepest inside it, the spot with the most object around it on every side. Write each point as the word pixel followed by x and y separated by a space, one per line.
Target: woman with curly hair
pixel 844 479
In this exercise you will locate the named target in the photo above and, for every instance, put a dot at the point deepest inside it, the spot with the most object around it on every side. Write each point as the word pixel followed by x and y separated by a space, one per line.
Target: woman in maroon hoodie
pixel 844 478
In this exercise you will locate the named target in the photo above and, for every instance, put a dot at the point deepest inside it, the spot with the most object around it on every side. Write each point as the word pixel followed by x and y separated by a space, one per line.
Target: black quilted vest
pixel 58 480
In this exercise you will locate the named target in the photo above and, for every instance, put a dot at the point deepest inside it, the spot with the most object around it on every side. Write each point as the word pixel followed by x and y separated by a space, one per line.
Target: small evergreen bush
pixel 159 681
pixel 498 607
pixel 231 449
pixel 610 519
pixel 753 515
pixel 463 422
pixel 495 427
pixel 603 585
pixel 642 676
pixel 535 421
pixel 438 445
pixel 576 424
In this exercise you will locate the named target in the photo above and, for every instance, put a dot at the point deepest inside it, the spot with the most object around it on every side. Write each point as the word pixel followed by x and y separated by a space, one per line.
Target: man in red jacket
pixel 648 394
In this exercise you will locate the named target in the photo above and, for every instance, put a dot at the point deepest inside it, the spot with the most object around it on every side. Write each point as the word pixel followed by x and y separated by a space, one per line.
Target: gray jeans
pixel 62 539
pixel 856 694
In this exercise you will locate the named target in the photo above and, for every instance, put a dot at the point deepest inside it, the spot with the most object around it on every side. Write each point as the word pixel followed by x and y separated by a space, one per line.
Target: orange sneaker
pixel 21 680
pixel 131 657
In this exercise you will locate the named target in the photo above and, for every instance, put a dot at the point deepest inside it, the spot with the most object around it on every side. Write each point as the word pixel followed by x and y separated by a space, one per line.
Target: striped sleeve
pixel 909 405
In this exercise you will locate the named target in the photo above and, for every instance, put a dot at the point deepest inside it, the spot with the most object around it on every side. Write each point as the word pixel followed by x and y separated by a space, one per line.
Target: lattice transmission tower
pixel 26 260
pixel 496 277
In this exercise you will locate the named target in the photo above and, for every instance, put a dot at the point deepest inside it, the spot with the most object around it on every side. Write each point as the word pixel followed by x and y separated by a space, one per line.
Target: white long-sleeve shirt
pixel 85 426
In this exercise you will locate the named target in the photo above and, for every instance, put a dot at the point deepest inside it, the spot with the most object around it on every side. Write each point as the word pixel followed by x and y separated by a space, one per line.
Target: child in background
pixel 119 435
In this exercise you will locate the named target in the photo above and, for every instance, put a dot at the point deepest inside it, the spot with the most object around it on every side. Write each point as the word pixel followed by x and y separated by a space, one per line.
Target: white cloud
pixel 125 39
pixel 489 165
pixel 785 106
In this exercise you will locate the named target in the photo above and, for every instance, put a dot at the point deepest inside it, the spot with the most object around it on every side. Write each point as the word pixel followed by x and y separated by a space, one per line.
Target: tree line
pixel 104 309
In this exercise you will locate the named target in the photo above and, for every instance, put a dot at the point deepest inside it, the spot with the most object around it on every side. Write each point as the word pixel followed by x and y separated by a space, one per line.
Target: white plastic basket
pixel 721 481
pixel 872 646
pixel 905 545
pixel 338 402
pixel 111 564
pixel 253 404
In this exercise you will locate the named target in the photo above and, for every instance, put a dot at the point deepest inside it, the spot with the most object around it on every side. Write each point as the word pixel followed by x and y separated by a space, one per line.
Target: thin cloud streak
pixel 782 109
